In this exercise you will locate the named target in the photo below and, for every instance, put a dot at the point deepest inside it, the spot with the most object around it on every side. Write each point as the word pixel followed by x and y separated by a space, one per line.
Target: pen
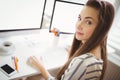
pixel 16 63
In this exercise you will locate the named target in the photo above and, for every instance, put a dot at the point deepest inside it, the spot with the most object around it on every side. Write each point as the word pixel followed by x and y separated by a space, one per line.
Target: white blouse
pixel 83 67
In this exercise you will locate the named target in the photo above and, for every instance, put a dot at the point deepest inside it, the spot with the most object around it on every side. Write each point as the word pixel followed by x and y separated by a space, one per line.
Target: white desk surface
pixel 36 44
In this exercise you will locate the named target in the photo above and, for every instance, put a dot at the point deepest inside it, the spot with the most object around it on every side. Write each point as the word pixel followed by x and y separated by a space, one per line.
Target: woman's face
pixel 87 21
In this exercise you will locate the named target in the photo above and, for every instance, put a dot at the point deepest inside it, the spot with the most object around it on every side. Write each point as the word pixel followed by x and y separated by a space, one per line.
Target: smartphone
pixel 7 70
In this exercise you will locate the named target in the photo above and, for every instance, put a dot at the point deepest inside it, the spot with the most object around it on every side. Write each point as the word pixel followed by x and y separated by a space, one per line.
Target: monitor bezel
pixel 54 10
pixel 28 29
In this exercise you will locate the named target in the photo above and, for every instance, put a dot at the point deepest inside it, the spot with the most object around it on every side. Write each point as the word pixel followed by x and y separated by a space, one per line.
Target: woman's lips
pixel 79 33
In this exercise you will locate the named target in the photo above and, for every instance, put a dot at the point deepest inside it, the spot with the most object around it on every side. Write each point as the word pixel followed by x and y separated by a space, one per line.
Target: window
pixel 114 36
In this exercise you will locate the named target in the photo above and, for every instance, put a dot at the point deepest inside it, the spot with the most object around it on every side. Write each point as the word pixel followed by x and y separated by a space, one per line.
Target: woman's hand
pixel 37 63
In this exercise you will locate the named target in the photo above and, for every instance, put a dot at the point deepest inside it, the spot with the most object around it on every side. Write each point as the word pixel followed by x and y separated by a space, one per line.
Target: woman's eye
pixel 88 22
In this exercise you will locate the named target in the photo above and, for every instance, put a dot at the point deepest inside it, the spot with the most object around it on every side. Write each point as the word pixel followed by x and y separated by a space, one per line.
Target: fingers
pixel 33 60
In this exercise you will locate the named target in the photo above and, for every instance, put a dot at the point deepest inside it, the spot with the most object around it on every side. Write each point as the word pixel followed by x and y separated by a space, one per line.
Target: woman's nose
pixel 79 25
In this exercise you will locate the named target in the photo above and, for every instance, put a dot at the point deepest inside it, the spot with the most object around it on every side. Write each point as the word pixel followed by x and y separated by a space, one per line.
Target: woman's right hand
pixel 35 62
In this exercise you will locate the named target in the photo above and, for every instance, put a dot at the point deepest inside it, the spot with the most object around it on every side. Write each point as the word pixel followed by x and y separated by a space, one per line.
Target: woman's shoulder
pixel 83 67
pixel 88 59
pixel 90 63
pixel 88 56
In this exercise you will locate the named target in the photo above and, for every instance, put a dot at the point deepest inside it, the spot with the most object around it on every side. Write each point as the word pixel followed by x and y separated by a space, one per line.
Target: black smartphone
pixel 7 70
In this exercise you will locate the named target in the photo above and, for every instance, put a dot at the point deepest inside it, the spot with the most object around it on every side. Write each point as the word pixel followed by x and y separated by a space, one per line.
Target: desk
pixel 35 44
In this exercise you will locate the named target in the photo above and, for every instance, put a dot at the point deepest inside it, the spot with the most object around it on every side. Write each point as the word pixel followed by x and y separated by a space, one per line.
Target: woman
pixel 88 54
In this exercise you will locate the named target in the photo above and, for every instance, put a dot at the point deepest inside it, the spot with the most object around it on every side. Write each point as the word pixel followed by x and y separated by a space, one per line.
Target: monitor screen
pixel 21 14
pixel 65 15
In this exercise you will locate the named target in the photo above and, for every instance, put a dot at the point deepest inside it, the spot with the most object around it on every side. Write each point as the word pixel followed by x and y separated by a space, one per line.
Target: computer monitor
pixel 21 14
pixel 65 15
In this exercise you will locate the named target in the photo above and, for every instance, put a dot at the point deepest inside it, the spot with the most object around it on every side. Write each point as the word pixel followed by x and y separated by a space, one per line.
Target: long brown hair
pixel 99 36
